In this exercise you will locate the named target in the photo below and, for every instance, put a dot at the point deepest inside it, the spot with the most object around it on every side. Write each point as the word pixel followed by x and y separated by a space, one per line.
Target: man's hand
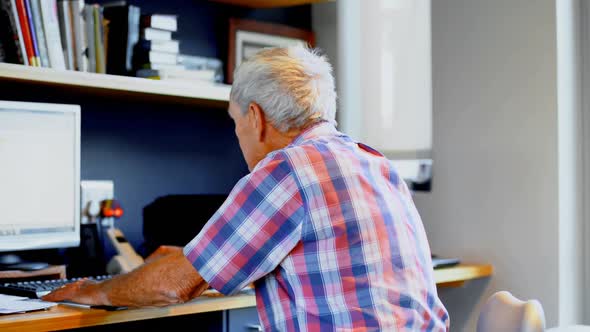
pixel 165 278
pixel 82 291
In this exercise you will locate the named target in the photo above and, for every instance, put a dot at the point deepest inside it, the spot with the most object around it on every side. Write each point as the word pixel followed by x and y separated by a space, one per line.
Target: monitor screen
pixel 39 176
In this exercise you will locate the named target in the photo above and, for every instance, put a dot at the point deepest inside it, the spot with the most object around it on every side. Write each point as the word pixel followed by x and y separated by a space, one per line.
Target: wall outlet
pixel 92 192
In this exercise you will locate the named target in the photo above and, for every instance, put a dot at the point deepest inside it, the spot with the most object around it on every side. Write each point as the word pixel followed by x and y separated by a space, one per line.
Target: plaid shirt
pixel 331 238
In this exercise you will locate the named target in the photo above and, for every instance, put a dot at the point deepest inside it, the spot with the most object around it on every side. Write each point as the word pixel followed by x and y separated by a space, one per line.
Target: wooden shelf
pixel 269 3
pixel 457 275
pixel 113 85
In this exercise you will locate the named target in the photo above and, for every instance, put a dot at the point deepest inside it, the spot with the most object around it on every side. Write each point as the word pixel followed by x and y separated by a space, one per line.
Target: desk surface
pixel 63 317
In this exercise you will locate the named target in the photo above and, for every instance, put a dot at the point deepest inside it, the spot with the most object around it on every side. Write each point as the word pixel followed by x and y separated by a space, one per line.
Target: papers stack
pixel 10 304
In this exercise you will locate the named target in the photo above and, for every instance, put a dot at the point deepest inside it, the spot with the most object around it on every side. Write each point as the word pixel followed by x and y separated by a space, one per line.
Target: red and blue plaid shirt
pixel 330 237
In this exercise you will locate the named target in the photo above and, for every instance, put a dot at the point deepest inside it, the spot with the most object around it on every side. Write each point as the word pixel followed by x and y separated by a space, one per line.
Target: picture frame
pixel 247 36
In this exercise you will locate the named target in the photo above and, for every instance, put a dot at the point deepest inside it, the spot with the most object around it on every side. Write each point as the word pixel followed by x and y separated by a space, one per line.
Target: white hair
pixel 293 85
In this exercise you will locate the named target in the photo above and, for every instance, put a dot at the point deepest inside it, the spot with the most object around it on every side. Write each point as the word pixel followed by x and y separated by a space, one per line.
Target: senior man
pixel 322 225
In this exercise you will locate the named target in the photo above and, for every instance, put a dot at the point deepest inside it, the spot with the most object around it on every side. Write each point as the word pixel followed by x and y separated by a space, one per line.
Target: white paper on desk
pixel 4 297
pixel 211 292
pixel 14 304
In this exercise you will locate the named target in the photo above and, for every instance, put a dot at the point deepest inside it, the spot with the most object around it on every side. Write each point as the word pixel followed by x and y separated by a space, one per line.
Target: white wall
pixel 324 20
pixel 585 86
pixel 495 188
pixel 335 23
pixel 381 52
pixel 395 75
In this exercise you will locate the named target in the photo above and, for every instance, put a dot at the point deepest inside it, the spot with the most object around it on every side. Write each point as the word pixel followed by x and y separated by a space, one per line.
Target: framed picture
pixel 246 37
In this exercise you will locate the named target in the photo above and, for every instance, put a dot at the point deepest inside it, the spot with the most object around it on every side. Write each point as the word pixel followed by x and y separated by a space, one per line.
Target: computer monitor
pixel 39 176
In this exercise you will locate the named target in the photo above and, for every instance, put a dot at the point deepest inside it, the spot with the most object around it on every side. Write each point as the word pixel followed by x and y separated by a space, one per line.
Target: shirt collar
pixel 322 128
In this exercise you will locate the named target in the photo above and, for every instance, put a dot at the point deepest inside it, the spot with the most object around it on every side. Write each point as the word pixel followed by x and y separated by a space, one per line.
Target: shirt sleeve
pixel 252 232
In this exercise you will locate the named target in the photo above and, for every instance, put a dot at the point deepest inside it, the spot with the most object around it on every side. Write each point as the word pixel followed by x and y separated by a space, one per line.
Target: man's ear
pixel 257 120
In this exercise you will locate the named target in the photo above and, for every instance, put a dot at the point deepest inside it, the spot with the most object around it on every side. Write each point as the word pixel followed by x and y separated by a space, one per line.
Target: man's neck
pixel 284 139
pixel 277 140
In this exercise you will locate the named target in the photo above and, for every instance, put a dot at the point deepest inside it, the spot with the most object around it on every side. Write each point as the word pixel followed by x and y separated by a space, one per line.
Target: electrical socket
pixel 94 191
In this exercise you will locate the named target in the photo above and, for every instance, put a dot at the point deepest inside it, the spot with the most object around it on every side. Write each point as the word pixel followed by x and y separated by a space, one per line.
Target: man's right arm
pixel 257 226
pixel 166 278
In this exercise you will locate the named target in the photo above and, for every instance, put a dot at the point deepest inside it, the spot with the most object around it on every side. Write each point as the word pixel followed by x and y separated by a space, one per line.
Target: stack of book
pixel 189 68
pixel 156 48
pixel 157 54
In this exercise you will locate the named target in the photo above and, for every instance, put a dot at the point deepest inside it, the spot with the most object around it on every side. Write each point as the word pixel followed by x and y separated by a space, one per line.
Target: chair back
pixel 504 312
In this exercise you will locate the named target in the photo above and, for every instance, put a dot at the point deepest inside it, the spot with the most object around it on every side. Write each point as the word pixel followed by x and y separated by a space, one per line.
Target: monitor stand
pixel 14 262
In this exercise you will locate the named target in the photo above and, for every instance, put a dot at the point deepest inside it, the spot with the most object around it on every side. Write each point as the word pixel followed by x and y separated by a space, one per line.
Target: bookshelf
pixel 206 94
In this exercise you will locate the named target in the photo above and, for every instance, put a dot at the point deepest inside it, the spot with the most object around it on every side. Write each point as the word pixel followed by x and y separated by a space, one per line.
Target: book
pixel 194 62
pixel 132 36
pixel 6 42
pixel 78 39
pixel 144 56
pixel 199 62
pixel 52 34
pixel 104 31
pixel 205 75
pixel 65 27
pixel 72 22
pixel 158 66
pixel 2 42
pixel 155 34
pixel 38 27
pixel 24 24
pixel 34 39
pixel 15 19
pixel 12 36
pixel 99 44
pixel 123 34
pixel 89 32
pixel 159 21
pixel 168 46
pixel 189 63
pixel 83 36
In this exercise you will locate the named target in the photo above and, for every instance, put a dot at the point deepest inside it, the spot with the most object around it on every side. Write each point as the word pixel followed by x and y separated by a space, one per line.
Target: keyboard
pixel 38 288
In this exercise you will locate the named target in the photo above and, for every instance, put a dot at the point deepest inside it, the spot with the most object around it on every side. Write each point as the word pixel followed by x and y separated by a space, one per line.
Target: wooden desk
pixel 456 276
pixel 64 317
